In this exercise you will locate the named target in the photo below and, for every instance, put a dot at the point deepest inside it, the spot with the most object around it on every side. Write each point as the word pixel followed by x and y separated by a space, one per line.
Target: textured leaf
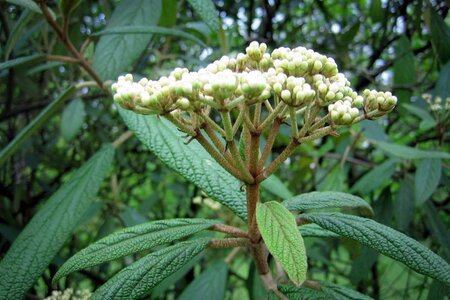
pixel 279 231
pixel 404 69
pixel 428 175
pixel 131 240
pixel 53 224
pixel 206 10
pixel 116 53
pixel 34 125
pixel 139 278
pixel 72 119
pixel 376 177
pixel 210 284
pixel 404 204
pixel 385 240
pixel 150 29
pixel 439 230
pixel 276 187
pixel 320 200
pixel 21 60
pixel 314 230
pixel 406 152
pixel 191 161
pixel 327 291
pixel 440 34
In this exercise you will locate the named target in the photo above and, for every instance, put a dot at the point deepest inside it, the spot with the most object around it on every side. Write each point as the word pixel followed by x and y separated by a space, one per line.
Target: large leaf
pixel 191 161
pixel 406 152
pixel 404 69
pixel 116 53
pixel 72 118
pixel 376 177
pixel 320 200
pixel 385 240
pixel 210 284
pixel 404 204
pixel 283 239
pixel 34 125
pixel 206 10
pixel 440 34
pixel 131 240
pixel 314 230
pixel 139 278
pixel 428 175
pixel 53 224
pixel 150 29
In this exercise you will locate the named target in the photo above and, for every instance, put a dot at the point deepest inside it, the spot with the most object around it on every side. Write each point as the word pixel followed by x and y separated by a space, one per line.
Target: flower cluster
pixel 435 103
pixel 252 94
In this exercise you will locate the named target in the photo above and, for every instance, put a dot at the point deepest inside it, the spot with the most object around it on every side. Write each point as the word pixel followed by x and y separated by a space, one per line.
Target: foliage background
pixel 401 46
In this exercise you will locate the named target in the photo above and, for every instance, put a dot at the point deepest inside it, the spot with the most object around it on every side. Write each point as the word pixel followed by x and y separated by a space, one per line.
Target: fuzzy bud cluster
pixel 382 101
pixel 435 103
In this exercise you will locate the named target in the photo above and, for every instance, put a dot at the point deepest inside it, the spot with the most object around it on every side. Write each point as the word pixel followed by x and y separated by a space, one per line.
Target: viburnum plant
pixel 227 108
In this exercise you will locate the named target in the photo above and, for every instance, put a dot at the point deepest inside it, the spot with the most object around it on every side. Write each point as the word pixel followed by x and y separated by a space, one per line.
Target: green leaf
pixel 17 31
pixel 404 204
pixel 385 240
pixel 442 88
pixel 440 34
pixel 34 125
pixel 282 237
pixel 138 279
pixel 349 34
pixel 376 177
pixel 210 284
pixel 255 287
pixel 334 180
pixel 131 240
pixel 168 13
pixel 376 11
pixel 314 230
pixel 30 4
pixel 326 291
pixel 116 53
pixel 207 11
pixel 191 161
pixel 419 112
pixel 362 265
pixel 428 176
pixel 150 29
pixel 53 224
pixel 406 152
pixel 404 69
pixel 72 119
pixel 21 60
pixel 321 200
pixel 274 185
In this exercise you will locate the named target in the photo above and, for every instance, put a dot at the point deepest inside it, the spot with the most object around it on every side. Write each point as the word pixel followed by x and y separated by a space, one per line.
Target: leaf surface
pixel 385 240
pixel 282 237
pixel 131 240
pixel 428 175
pixel 406 152
pixel 207 11
pixel 138 279
pixel 376 177
pixel 72 119
pixel 39 242
pixel 191 161
pixel 321 200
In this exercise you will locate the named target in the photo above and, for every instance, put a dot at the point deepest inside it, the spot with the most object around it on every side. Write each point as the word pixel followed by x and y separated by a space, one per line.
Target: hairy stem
pixel 228 243
pixel 231 230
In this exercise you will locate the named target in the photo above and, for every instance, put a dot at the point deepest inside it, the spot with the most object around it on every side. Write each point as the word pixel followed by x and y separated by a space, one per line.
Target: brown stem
pixel 269 144
pixel 252 201
pixel 231 230
pixel 62 58
pixel 228 243
pixel 122 138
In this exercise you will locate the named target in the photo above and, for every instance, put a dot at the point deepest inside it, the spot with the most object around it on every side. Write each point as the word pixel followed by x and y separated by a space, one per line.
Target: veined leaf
pixel 314 230
pixel 53 224
pixel 116 53
pixel 34 125
pixel 150 29
pixel 131 240
pixel 406 152
pixel 275 186
pixel 376 177
pixel 320 200
pixel 207 11
pixel 385 240
pixel 72 118
pixel 326 291
pixel 191 161
pixel 440 34
pixel 428 175
pixel 139 278
pixel 21 60
pixel 210 284
pixel 282 237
